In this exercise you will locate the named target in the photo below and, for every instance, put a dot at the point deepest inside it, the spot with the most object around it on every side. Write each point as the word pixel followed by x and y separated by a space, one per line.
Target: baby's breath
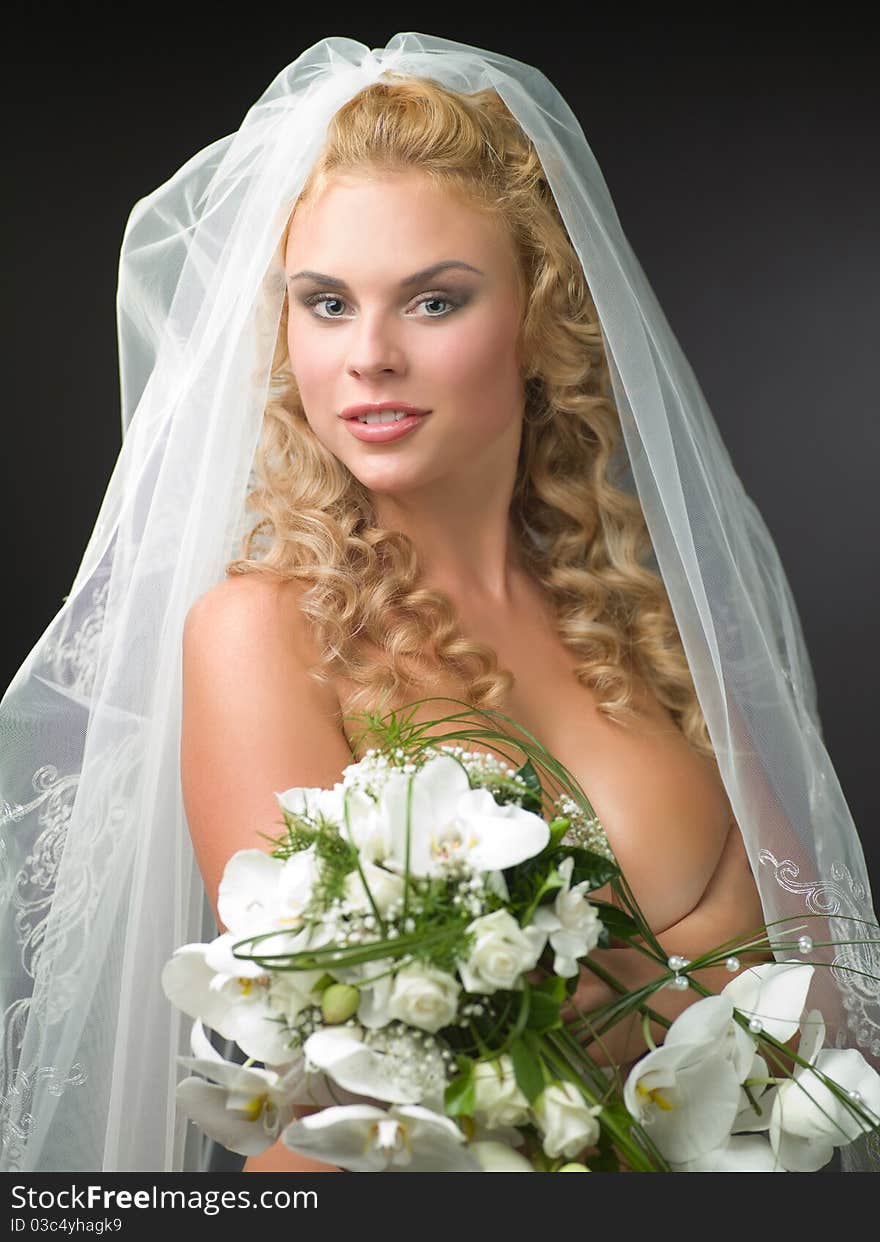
pixel 583 830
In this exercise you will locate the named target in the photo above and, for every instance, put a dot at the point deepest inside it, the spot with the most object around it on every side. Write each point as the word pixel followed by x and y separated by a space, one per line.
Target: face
pixel 445 342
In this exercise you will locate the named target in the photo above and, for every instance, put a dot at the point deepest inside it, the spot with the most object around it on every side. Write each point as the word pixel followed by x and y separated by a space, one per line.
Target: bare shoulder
pixel 253 607
pixel 254 722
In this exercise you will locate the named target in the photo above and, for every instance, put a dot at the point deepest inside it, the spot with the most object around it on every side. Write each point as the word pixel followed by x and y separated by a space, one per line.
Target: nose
pixel 374 347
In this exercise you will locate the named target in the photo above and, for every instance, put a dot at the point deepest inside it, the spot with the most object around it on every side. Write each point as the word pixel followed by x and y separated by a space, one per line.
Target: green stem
pixel 633 1152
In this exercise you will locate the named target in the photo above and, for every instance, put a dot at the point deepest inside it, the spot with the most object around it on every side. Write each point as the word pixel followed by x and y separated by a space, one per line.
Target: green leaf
pixel 558 828
pixel 553 987
pixel 459 1095
pixel 594 868
pixel 617 922
pixel 533 799
pixel 543 1012
pixel 527 1068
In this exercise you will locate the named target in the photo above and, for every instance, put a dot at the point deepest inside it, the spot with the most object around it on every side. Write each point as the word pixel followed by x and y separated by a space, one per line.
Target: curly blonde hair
pixel 583 536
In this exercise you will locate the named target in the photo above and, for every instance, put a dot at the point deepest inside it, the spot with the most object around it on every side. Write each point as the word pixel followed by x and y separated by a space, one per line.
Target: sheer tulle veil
pixel 98 881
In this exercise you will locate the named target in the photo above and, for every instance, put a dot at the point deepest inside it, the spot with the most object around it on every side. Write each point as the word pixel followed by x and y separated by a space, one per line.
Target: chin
pixel 389 483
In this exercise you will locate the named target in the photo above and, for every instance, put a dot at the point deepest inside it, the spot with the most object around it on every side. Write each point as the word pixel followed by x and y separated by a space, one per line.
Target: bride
pixel 400 541
pixel 553 529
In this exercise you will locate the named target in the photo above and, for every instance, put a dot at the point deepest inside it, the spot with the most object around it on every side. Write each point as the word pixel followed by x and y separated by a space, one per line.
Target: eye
pixel 329 299
pixel 436 297
pixel 323 298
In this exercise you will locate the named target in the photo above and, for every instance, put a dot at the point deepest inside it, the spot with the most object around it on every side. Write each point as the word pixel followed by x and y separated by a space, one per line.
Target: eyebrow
pixel 417 277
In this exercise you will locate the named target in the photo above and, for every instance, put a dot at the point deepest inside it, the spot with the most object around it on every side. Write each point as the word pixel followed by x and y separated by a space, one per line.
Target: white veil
pixel 98 880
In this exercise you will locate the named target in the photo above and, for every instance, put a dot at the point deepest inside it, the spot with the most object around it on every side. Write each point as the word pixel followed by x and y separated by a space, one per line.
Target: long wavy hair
pixel 582 534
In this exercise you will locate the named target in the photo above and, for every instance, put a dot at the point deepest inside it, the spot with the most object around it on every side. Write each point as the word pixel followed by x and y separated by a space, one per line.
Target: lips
pixel 382 433
pixel 377 407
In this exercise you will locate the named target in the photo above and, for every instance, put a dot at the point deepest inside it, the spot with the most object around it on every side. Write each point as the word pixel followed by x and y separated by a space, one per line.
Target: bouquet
pixel 401 961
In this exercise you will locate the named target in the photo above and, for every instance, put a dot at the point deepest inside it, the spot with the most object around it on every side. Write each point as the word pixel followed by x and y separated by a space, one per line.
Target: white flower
pixel 385 1065
pixel 740 1154
pixel 292 991
pixel 237 1006
pixel 688 1093
pixel 365 826
pixel 370 1140
pixel 425 997
pixel 567 1123
pixel 729 1038
pixel 244 1109
pixel 499 1158
pixel 498 1101
pixel 807 1120
pixel 502 952
pixel 773 992
pixel 247 895
pixel 573 922
pixel 385 887
pixel 311 802
pixel 259 893
pixel 374 981
pixel 449 821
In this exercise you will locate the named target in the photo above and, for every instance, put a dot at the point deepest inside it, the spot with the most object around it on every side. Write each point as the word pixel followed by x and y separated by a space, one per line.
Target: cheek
pixel 480 363
pixel 309 359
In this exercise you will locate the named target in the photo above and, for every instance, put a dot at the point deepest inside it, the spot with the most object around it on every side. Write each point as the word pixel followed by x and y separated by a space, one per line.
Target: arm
pixel 253 723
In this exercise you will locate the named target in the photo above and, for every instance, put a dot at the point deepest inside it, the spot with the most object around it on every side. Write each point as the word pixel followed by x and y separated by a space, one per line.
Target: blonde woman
pixel 552 528
pixel 438 515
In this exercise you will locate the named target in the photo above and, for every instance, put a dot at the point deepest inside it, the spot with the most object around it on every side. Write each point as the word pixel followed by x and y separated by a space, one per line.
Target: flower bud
pixel 338 1002
pixel 573 1167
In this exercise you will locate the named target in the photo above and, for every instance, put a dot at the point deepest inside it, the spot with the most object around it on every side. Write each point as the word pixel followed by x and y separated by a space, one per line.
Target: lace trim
pixel 844 897
pixel 32 899
pixel 73 656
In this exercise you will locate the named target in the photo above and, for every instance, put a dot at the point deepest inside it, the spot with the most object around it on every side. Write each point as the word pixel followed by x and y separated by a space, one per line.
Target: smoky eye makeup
pixel 454 299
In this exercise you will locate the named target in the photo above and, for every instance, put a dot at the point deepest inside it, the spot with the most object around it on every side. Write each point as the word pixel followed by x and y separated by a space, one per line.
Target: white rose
pixel 566 1122
pixel 502 952
pixel 424 997
pixel 498 1100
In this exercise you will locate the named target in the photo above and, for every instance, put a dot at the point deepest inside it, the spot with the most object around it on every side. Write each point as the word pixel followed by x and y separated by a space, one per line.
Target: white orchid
pixel 236 1006
pixel 449 821
pixel 244 1109
pixel 384 1065
pixel 567 1123
pixel 807 1120
pixel 259 893
pixel 774 993
pixel 746 1153
pixel 729 1039
pixel 687 1091
pixel 572 922
pixel 501 953
pixel 313 802
pixel 367 1139
pixel 385 887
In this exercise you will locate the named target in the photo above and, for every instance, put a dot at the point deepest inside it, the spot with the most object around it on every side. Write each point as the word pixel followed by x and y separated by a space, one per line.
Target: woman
pixel 502 523
pixel 431 497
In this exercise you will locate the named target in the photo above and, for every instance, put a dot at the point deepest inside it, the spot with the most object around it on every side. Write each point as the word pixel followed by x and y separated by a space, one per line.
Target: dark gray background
pixel 743 162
